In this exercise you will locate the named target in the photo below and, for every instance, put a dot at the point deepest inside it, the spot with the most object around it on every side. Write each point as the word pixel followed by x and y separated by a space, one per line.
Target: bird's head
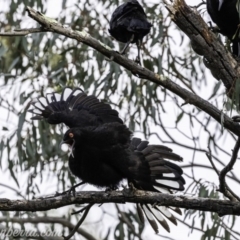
pixel 69 138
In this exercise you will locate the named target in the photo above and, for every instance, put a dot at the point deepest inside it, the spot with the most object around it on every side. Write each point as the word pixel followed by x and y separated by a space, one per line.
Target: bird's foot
pixel 213 28
pixel 138 75
pixel 71 190
pixel 110 189
pixel 111 58
pixel 131 187
pixel 68 192
pixel 122 53
pixel 137 60
pixel 130 190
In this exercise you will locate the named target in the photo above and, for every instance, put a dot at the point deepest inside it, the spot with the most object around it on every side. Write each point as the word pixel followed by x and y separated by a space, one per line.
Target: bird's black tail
pixel 151 171
pixel 54 106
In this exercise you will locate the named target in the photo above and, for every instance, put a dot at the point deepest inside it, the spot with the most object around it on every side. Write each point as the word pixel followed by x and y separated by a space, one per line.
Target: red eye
pixel 71 135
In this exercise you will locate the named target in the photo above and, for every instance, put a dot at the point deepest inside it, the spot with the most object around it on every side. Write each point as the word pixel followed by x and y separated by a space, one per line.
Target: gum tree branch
pixel 52 25
pixel 221 207
pixel 223 173
pixel 228 192
pixel 204 42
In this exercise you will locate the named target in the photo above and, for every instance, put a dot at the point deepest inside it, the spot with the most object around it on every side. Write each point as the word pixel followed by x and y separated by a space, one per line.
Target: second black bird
pixel 225 14
pixel 129 24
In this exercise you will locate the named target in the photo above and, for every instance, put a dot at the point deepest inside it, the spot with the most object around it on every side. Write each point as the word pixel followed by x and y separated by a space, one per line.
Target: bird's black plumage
pixel 129 24
pixel 73 108
pixel 99 153
pixel 225 14
pixel 103 153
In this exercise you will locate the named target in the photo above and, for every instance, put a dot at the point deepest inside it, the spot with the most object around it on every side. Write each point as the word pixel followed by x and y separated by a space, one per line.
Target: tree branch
pixel 228 192
pixel 223 173
pixel 222 207
pixel 204 42
pixel 51 25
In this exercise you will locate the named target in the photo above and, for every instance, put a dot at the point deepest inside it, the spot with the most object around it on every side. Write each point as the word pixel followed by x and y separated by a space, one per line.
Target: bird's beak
pixel 70 144
pixel 61 143
pixel 220 4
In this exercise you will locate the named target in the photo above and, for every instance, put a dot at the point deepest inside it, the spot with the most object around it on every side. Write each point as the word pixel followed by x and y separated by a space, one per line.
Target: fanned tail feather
pixel 164 176
pixel 156 214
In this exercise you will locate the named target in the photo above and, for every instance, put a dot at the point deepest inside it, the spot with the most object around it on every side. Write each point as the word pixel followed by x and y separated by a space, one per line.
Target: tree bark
pixel 204 42
pixel 222 207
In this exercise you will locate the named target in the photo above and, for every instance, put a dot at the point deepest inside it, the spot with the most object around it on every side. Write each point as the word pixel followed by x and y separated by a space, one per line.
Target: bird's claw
pixel 137 60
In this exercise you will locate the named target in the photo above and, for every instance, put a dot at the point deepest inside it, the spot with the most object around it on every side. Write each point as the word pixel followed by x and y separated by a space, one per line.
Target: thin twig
pixel 209 156
pixel 79 222
pixel 23 32
pixel 207 167
pixel 228 192
pixel 15 190
pixel 223 173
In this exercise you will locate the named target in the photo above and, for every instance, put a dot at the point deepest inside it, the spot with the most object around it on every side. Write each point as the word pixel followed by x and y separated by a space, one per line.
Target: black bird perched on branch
pixel 103 153
pixel 225 14
pixel 129 24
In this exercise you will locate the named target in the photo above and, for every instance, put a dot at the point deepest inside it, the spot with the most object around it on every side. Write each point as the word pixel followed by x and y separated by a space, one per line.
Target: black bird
pixel 129 24
pixel 225 14
pixel 103 153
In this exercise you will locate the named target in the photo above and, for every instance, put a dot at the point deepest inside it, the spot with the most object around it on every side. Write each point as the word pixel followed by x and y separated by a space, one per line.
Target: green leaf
pixel 15 61
pixel 179 117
